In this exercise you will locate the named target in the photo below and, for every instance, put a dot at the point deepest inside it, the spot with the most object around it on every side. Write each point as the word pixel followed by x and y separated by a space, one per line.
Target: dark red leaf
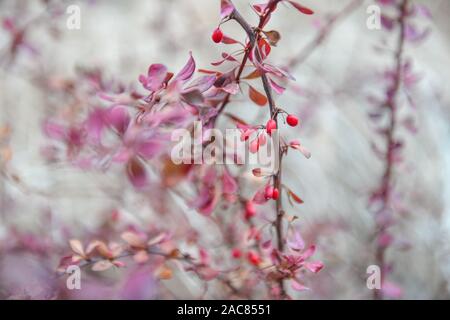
pixel 301 8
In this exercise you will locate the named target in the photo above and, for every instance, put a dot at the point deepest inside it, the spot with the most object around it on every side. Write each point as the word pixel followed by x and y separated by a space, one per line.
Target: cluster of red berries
pixel 271 125
pixel 252 256
pixel 271 193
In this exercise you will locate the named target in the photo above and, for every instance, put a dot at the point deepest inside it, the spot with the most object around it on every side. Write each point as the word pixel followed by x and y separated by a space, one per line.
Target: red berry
pixel 292 120
pixel 271 126
pixel 253 258
pixel 250 210
pixel 254 146
pixel 268 192
pixel 217 35
pixel 236 253
pixel 275 194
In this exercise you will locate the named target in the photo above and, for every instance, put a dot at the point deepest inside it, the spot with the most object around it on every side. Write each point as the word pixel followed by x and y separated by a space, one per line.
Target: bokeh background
pixel 330 95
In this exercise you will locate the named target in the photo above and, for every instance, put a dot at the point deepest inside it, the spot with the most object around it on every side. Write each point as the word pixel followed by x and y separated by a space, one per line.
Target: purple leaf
pixel 314 267
pixel 118 118
pixel 149 148
pixel 156 76
pixel 226 8
pixel 276 87
pixel 229 184
pixel 297 286
pixel 95 124
pixel 201 84
pixel 188 70
pixel 232 88
pixel 301 8
pixel 296 243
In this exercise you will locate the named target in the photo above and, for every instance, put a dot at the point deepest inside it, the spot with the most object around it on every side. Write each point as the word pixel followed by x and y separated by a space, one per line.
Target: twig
pixel 253 37
pixel 392 109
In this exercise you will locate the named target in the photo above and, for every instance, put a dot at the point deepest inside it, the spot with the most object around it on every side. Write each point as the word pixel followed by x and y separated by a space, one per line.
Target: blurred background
pixel 334 79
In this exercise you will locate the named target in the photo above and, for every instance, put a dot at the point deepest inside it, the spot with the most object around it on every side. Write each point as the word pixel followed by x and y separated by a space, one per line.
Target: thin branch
pixel 392 108
pixel 253 38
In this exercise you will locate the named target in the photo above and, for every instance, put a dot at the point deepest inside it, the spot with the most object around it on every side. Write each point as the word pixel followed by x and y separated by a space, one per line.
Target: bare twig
pixel 392 109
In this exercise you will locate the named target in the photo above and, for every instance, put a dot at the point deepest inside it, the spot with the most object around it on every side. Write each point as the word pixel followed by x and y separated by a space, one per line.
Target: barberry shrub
pixel 256 249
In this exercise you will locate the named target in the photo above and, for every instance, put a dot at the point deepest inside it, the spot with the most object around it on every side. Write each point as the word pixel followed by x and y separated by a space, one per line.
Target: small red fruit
pixel 253 258
pixel 271 126
pixel 254 146
pixel 275 193
pixel 268 192
pixel 236 253
pixel 217 35
pixel 292 120
pixel 250 210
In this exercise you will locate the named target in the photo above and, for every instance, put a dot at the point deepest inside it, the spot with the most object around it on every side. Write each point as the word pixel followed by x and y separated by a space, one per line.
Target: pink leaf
pixel 297 243
pixel 232 88
pixel 276 87
pixel 301 8
pixel 309 252
pixel 188 70
pixel 118 118
pixel 201 84
pixel 123 155
pixel 226 8
pixel 228 40
pixel 77 247
pixel 95 124
pixel 225 57
pixel 134 239
pixel 259 8
pixel 158 239
pixel 297 286
pixel 254 146
pixel 119 264
pixel 296 145
pixel 149 149
pixel 229 184
pixel 208 207
pixel 315 266
pixel 156 76
pixel 102 265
